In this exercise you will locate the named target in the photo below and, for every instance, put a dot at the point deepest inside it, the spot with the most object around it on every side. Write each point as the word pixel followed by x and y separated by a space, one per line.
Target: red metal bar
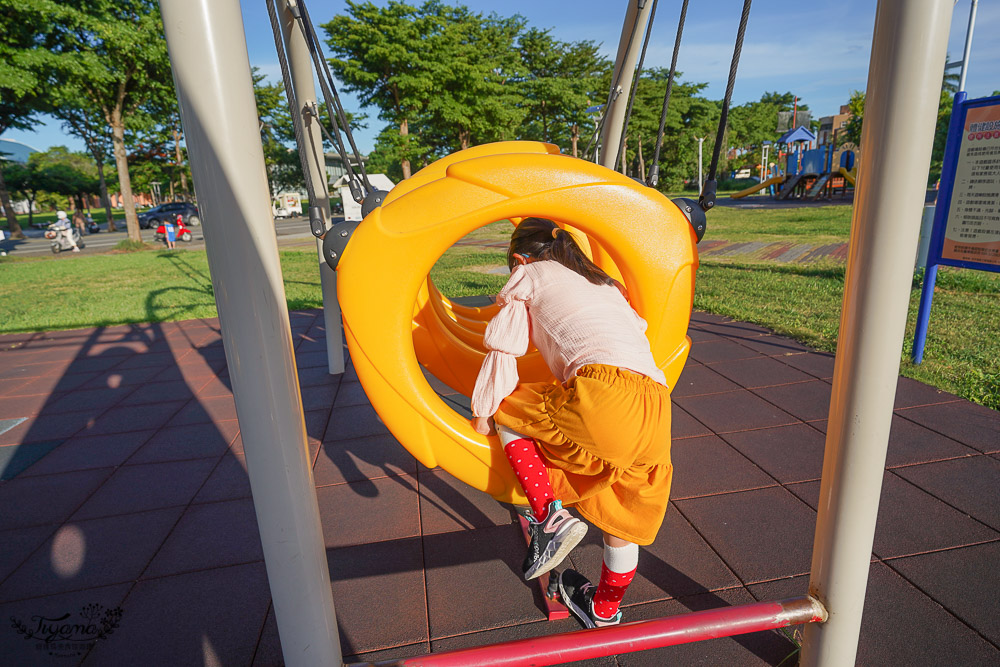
pixel 628 637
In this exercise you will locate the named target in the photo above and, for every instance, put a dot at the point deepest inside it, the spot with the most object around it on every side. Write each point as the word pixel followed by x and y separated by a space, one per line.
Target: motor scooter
pixel 181 232
pixel 59 240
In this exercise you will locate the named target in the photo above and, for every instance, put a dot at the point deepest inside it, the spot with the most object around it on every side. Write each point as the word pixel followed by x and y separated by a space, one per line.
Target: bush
pixel 128 245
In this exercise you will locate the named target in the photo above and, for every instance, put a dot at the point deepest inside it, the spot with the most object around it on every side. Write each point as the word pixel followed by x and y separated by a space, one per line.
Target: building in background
pixel 15 151
pixel 832 128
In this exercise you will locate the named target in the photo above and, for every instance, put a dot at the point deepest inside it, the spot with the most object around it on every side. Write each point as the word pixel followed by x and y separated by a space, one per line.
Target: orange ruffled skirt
pixel 605 438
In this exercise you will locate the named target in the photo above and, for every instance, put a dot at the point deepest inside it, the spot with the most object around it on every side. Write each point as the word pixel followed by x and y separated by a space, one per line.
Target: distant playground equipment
pixel 809 173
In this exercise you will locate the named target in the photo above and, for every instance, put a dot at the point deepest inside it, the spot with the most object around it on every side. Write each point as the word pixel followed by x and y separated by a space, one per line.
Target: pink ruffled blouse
pixel 571 321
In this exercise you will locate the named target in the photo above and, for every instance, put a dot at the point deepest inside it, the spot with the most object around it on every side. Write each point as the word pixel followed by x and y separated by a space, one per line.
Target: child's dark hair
pixel 543 239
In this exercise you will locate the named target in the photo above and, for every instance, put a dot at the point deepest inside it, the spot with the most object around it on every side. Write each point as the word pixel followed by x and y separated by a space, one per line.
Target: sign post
pixel 966 229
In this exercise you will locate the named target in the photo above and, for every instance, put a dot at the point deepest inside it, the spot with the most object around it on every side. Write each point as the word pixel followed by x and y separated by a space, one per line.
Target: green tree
pixel 87 124
pixel 277 135
pixel 940 136
pixel 856 107
pixel 561 82
pixel 382 55
pixel 118 64
pixel 65 172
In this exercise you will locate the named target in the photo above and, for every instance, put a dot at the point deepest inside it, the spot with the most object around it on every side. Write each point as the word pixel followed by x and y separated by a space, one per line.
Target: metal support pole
pixel 904 84
pixel 304 85
pixel 208 53
pixel 968 45
pixel 701 178
pixel 629 47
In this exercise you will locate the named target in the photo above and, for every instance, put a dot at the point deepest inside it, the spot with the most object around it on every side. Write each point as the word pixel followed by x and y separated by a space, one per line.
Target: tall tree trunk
pixel 576 138
pixel 463 138
pixel 177 155
pixel 105 199
pixel 124 182
pixel 624 149
pixel 31 208
pixel 404 130
pixel 642 163
pixel 15 229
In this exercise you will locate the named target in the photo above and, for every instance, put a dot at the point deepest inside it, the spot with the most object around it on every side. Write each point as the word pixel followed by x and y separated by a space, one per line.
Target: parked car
pixel 155 216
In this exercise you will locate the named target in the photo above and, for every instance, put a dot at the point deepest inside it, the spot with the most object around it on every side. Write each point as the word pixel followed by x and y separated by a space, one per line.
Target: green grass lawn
pixel 802 301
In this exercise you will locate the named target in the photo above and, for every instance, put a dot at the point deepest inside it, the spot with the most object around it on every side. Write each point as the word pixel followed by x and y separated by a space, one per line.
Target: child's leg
pixel 617 572
pixel 530 471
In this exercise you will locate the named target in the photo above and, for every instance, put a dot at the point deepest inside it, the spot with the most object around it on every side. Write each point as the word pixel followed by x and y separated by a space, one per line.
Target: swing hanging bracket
pixel 695 214
pixel 336 240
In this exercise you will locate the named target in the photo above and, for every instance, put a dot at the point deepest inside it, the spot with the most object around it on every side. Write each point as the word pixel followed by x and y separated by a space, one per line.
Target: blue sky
pixel 818 52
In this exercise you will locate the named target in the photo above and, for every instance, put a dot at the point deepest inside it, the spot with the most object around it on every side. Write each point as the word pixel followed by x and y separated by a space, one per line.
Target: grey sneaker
pixel 552 540
pixel 578 595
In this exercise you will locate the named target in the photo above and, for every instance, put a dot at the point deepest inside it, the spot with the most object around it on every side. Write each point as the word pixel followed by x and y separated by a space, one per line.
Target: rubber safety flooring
pixel 128 533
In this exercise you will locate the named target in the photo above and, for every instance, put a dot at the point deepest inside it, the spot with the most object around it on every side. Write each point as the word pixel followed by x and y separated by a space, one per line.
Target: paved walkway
pixel 124 488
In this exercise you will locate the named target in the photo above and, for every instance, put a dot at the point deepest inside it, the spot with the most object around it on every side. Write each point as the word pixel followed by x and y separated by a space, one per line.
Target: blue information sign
pixel 966 231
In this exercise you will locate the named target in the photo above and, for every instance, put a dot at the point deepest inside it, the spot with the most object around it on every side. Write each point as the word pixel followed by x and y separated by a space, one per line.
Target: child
pixel 170 232
pixel 598 439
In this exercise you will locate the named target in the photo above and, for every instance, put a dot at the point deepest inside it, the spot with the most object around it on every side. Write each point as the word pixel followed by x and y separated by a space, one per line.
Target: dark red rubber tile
pixel 12 387
pixel 911 521
pixel 17 649
pixel 759 372
pixel 203 410
pixel 911 443
pixel 319 375
pixel 458 567
pixel 51 383
pixel 208 536
pixel 128 418
pixel 95 401
pixel 910 393
pixel 734 411
pixel 211 618
pixel 806 400
pixel 26 406
pixel 149 486
pixel 447 505
pixel 970 484
pixel 734 329
pixel 157 392
pixel 774 346
pixel 35 501
pixel 788 453
pixel 311 359
pixel 964 581
pixel 817 364
pixel 699 380
pixel 807 492
pixel 700 317
pixel 700 335
pixel 758 648
pixel 707 465
pixel 970 424
pixel 113 378
pixel 15 459
pixel 361 458
pixel 721 350
pixel 87 554
pixel 16 370
pixel 319 398
pixel 538 628
pixel 155 359
pixel 316 423
pixel 900 625
pixel 683 425
pixel 215 386
pixel 47 427
pixel 369 511
pixel 18 544
pixel 356 421
pixel 378 590
pixel 194 441
pixel 88 452
pixel 350 393
pixel 761 534
pixel 191 372
pixel 228 481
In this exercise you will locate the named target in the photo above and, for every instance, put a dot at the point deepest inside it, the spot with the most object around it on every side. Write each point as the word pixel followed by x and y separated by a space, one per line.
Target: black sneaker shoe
pixel 552 540
pixel 578 595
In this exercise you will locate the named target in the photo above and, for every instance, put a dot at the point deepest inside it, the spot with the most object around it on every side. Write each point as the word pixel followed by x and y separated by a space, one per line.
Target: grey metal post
pixel 904 84
pixel 968 45
pixel 304 85
pixel 629 47
pixel 208 53
pixel 701 177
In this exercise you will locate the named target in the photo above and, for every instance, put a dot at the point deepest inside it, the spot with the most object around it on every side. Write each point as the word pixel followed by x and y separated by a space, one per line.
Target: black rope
pixel 635 85
pixel 654 172
pixel 614 86
pixel 286 78
pixel 330 91
pixel 707 198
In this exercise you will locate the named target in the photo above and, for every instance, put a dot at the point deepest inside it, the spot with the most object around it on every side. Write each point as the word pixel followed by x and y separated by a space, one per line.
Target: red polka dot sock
pixel 613 584
pixel 531 473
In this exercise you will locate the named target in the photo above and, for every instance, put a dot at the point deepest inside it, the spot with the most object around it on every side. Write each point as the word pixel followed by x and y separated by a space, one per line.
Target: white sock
pixel 508 436
pixel 621 559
